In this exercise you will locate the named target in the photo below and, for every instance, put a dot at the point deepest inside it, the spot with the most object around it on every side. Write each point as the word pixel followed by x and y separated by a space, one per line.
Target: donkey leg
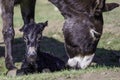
pixel 28 10
pixel 8 32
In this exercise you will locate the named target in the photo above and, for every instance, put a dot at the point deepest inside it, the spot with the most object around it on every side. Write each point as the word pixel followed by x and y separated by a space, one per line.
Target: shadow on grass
pixel 108 58
pixel 49 45
pixel 103 57
pixel 54 47
pixel 2 50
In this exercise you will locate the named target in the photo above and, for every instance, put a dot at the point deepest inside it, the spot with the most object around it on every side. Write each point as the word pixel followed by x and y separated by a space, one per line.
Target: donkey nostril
pixel 77 65
pixel 31 58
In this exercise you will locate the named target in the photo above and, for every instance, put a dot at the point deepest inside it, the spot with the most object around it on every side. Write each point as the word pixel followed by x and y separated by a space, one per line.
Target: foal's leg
pixel 7 7
pixel 28 10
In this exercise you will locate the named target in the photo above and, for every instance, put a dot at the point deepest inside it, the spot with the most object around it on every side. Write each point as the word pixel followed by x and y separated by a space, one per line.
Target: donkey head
pixel 82 28
pixel 32 34
pixel 84 44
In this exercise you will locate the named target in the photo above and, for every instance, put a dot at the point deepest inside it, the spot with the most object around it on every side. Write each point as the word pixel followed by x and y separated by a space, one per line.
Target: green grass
pixel 64 75
pixel 109 41
pixel 43 12
pixel 53 42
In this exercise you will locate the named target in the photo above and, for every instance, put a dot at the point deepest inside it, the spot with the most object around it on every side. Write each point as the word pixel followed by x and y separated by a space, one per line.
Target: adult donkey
pixel 82 28
pixel 6 9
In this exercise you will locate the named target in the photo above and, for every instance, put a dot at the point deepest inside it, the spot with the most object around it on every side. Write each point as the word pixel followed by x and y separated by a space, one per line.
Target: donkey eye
pixel 25 39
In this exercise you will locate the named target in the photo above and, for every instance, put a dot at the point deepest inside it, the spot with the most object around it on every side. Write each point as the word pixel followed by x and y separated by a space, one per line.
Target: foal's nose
pixel 31 55
pixel 31 58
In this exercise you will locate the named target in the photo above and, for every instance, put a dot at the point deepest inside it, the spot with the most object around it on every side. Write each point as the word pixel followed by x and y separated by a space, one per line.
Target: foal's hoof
pixel 12 73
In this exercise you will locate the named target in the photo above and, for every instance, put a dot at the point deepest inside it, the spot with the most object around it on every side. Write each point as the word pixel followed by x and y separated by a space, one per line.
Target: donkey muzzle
pixel 31 55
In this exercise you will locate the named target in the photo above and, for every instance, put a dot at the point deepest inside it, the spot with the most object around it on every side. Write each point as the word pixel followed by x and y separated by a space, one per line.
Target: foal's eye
pixel 25 39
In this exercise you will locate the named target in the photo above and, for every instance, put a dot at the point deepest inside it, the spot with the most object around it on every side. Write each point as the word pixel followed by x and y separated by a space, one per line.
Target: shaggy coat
pixel 35 60
pixel 45 63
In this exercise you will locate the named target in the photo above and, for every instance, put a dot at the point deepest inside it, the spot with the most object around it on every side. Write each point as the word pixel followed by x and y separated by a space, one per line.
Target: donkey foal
pixel 35 60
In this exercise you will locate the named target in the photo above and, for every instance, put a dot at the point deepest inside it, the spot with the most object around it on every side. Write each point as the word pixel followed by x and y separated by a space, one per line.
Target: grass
pixel 53 42
pixel 64 75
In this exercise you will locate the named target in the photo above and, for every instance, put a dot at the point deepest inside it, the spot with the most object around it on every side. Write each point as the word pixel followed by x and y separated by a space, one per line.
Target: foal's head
pixel 32 34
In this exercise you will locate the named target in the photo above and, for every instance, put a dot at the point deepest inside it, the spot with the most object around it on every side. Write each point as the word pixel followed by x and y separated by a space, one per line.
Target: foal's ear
pixel 23 28
pixel 110 6
pixel 43 25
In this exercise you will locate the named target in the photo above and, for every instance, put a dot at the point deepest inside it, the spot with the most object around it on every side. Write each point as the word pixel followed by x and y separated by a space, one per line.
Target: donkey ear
pixel 110 6
pixel 42 25
pixel 23 28
pixel 45 24
pixel 99 6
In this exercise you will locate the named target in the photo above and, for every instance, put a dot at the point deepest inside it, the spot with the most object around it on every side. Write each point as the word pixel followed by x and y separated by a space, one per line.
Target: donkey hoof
pixel 12 73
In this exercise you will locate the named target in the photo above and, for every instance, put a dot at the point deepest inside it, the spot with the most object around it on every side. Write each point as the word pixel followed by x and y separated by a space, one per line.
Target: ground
pixel 105 65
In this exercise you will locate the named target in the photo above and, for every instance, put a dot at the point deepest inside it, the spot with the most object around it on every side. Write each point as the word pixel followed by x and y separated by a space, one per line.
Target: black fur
pixel 31 33
pixel 44 61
